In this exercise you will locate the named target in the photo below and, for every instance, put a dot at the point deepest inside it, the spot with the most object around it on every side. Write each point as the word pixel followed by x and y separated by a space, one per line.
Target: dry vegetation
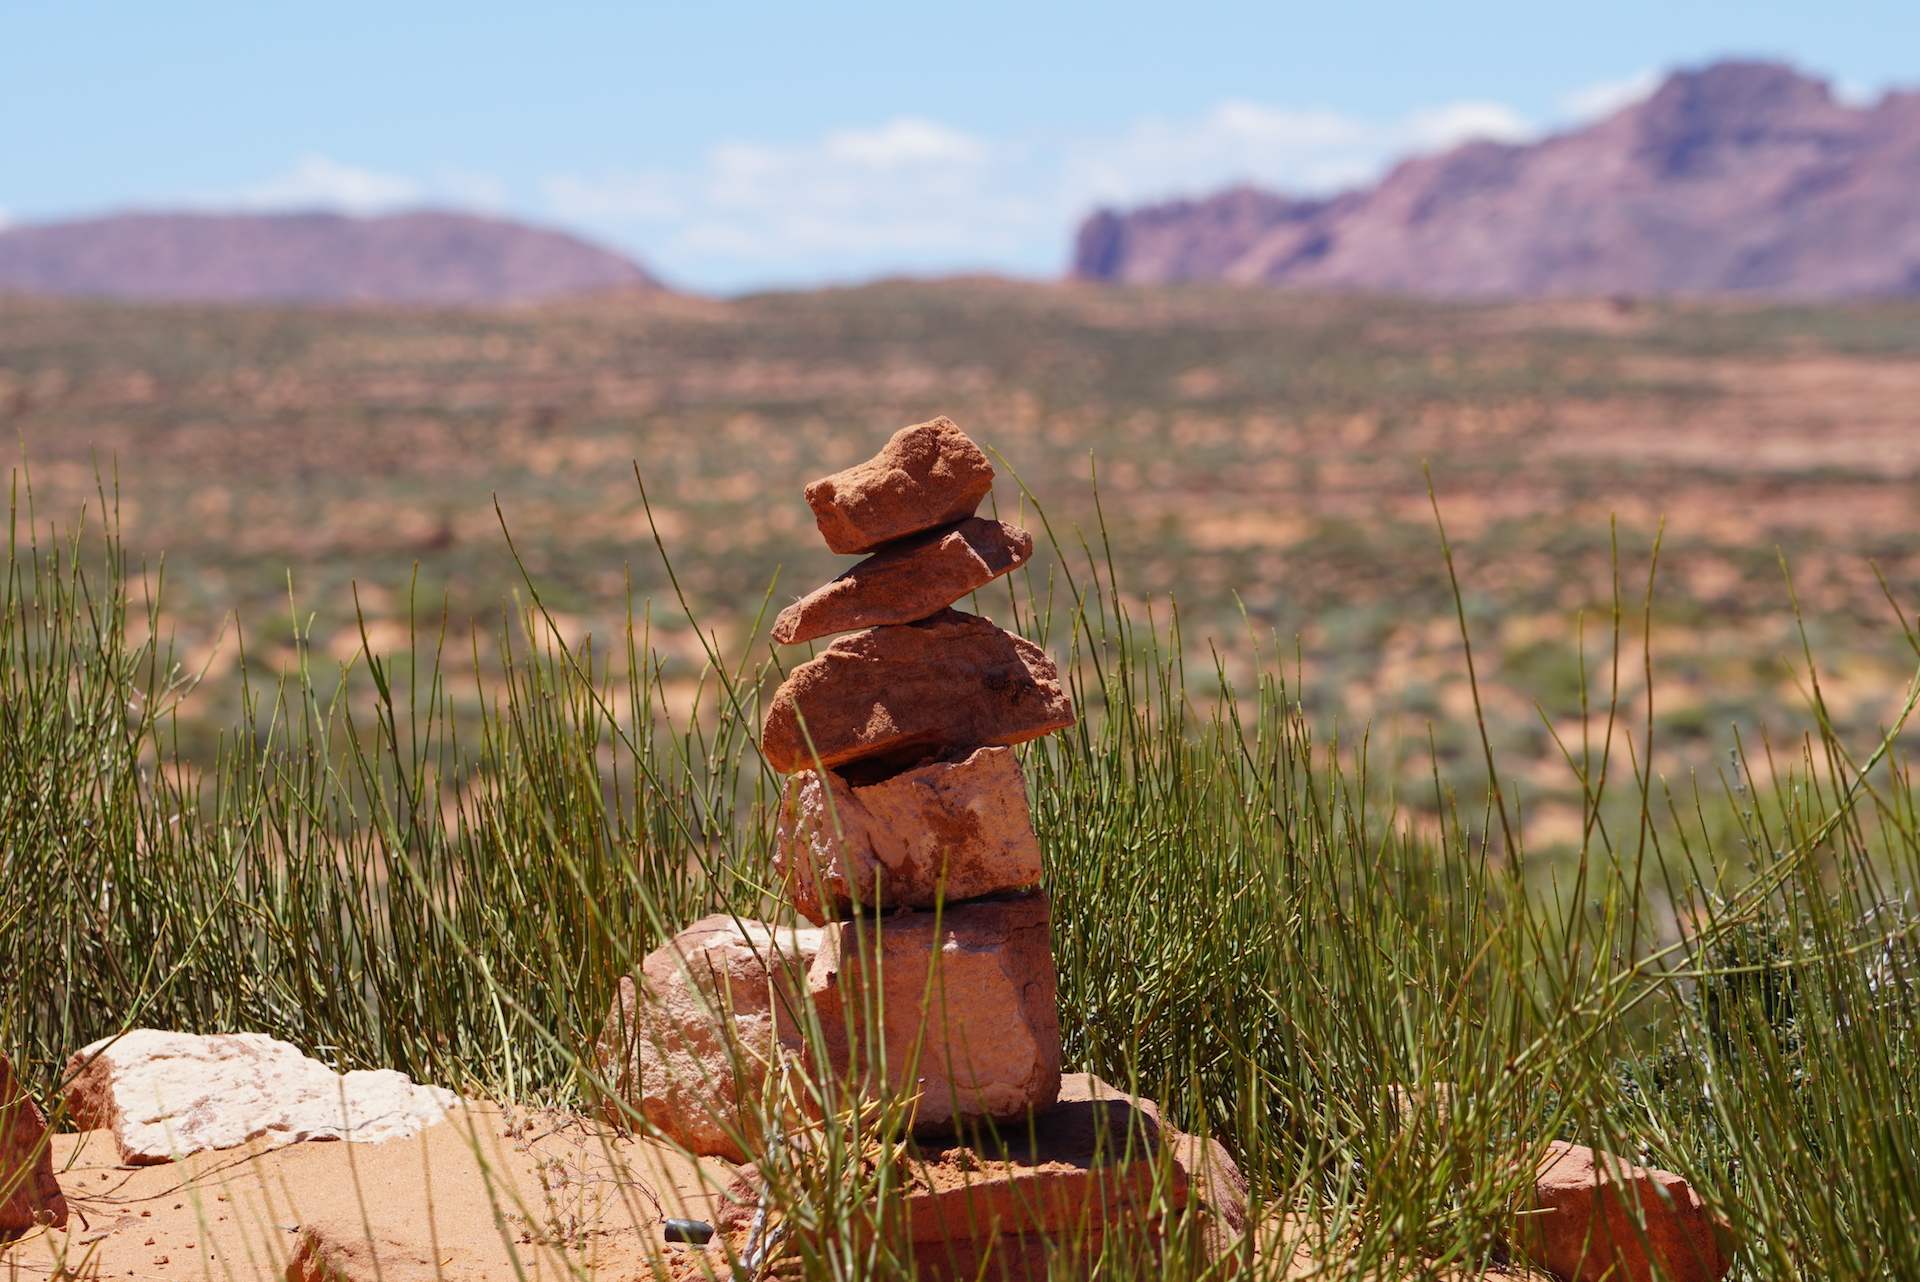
pixel 1254 449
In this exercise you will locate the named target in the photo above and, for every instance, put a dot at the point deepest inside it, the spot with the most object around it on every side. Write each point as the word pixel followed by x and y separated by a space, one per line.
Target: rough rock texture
pixel 909 580
pixel 691 1038
pixel 1737 177
pixel 1586 1229
pixel 165 1095
pixel 926 475
pixel 957 830
pixel 945 684
pixel 29 1194
pixel 493 1194
pixel 1098 1154
pixel 986 1024
pixel 1099 1161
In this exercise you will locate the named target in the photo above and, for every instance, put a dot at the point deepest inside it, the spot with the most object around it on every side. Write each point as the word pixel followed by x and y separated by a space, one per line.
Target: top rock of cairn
pixel 929 474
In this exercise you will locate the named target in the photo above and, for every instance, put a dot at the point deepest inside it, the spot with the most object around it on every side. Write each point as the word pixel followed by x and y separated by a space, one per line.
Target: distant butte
pixel 428 256
pixel 1737 178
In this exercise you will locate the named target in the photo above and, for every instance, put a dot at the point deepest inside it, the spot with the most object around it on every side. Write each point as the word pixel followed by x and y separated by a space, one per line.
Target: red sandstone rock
pixel 1586 1228
pixel 908 580
pixel 950 683
pixel 687 1042
pixel 974 998
pixel 950 830
pixel 1005 1205
pixel 29 1193
pixel 926 475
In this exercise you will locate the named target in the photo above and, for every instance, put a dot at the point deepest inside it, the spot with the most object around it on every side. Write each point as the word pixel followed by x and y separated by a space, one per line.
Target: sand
pixel 486 1195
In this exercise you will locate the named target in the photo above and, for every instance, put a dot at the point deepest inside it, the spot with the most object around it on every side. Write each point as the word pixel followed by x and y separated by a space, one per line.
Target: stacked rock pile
pixel 903 797
pixel 905 837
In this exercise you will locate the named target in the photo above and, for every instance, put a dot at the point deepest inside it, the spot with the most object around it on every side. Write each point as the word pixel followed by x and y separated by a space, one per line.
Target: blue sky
pixel 733 146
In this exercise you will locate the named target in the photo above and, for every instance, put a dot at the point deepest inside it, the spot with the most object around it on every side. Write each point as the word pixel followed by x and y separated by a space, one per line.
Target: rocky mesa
pixel 424 256
pixel 1737 178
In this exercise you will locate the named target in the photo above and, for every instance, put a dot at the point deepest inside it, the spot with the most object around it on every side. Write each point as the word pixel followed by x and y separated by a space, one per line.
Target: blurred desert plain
pixel 1260 460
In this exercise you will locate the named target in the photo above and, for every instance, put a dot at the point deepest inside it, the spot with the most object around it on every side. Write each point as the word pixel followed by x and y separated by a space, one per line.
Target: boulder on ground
pixel 165 1095
pixel 967 1000
pixel 29 1193
pixel 951 830
pixel 1598 1217
pixel 926 475
pixel 690 1036
pixel 907 581
pixel 947 684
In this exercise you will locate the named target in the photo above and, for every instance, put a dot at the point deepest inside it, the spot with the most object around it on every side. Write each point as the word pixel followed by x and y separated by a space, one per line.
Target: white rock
pixel 167 1095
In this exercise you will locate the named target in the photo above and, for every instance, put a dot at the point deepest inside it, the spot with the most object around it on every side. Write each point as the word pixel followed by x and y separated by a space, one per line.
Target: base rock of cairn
pixel 905 836
pixel 972 985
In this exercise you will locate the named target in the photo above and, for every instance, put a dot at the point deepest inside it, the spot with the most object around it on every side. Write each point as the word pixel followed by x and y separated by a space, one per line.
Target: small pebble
pixel 698 1232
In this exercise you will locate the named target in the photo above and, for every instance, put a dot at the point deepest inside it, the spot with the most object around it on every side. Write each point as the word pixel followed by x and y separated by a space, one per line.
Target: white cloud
pixel 1856 93
pixel 642 197
pixel 1460 122
pixel 903 143
pixel 6 219
pixel 1604 97
pixel 912 193
pixel 316 181
pixel 319 182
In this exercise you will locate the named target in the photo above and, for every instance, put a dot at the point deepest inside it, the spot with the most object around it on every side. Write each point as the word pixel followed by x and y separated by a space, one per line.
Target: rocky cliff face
pixel 423 257
pixel 1742 177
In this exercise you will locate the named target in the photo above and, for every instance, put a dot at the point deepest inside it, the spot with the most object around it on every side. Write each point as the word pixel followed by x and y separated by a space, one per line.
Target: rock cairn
pixel 905 838
pixel 903 798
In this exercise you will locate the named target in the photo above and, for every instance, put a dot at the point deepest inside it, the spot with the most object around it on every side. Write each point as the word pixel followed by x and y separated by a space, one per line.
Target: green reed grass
pixel 1249 926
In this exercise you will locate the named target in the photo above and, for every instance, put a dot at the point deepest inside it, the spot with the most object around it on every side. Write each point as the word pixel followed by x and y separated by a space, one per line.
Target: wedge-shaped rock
pixel 167 1095
pixel 29 1193
pixel 970 991
pixel 947 684
pixel 945 831
pixel 1601 1217
pixel 690 1036
pixel 926 475
pixel 1099 1161
pixel 1023 1200
pixel 907 581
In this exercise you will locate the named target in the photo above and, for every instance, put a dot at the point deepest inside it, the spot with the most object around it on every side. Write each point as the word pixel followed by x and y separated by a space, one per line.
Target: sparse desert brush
pixel 1252 924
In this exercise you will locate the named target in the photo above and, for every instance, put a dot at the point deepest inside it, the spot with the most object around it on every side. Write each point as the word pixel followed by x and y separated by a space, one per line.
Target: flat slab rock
pixel 945 831
pixel 30 1194
pixel 945 685
pixel 970 991
pixel 690 1034
pixel 1099 1162
pixel 490 1195
pixel 907 581
pixel 1587 1228
pixel 926 475
pixel 165 1095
